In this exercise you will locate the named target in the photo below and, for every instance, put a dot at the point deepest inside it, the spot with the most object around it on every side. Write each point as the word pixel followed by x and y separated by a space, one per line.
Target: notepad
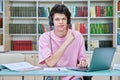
pixel 20 66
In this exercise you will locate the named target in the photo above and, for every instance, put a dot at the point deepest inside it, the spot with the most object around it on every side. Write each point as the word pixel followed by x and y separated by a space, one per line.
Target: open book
pixel 20 66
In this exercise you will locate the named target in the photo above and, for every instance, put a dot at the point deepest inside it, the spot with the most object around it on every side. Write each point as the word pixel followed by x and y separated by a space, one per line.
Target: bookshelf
pixel 2 27
pixel 25 22
pixel 23 25
pixel 101 23
pixel 27 18
pixel 116 38
pixel 98 21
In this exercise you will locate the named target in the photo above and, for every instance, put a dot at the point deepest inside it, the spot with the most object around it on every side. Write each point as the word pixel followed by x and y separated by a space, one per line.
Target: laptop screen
pixel 101 59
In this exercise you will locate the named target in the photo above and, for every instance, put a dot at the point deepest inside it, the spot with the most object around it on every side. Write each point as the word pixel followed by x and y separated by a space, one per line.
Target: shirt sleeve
pixel 82 51
pixel 44 48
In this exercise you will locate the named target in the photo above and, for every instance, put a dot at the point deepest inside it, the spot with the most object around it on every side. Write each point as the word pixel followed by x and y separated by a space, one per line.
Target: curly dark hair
pixel 59 8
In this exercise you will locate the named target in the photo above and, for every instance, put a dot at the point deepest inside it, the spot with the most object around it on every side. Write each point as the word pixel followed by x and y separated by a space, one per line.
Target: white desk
pixel 6 72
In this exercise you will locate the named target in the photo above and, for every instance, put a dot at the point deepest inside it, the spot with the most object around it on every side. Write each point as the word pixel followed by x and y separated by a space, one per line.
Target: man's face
pixel 60 22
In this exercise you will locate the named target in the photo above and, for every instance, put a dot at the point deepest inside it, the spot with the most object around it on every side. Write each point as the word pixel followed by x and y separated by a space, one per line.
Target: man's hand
pixel 70 37
pixel 82 63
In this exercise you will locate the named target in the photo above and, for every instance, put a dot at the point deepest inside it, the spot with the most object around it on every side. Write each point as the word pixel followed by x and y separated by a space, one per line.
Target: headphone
pixel 50 20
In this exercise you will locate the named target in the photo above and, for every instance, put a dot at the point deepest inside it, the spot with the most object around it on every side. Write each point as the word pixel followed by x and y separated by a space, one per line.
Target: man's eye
pixel 57 19
pixel 64 19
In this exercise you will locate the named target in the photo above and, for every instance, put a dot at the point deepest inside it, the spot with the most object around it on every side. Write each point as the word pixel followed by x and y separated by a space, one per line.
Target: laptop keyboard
pixel 78 69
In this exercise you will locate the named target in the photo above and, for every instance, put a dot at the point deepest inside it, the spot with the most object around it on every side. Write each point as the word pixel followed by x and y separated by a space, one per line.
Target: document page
pixel 21 66
pixel 55 69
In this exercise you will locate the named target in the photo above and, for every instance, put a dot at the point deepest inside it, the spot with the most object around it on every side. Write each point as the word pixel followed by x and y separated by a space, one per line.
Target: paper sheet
pixel 20 66
pixel 55 69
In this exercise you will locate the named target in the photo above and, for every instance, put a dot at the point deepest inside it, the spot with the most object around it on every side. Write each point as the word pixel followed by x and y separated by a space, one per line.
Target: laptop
pixel 101 60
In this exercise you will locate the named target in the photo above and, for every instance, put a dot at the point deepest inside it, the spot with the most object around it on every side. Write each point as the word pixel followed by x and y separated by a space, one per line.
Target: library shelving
pixel 1 26
pixel 101 23
pixel 22 25
pixel 116 38
pixel 28 19
pixel 97 17
pixel 25 22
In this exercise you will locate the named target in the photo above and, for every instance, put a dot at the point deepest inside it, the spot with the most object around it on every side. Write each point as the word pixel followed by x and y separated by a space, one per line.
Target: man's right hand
pixel 70 37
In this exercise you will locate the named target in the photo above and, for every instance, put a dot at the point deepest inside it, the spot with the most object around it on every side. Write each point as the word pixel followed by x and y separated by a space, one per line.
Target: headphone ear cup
pixel 50 21
pixel 68 22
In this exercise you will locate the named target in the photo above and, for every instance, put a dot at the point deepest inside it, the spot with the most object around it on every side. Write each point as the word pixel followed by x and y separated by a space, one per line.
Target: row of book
pixel 101 28
pixel 81 27
pixel 28 45
pixel 118 38
pixel 100 43
pixel 1 22
pixel 76 11
pixel 118 5
pixel 23 11
pixel 23 45
pixel 118 22
pixel 43 28
pixel 1 5
pixel 1 39
pixel 22 28
pixel 95 28
pixel 43 11
pixel 101 11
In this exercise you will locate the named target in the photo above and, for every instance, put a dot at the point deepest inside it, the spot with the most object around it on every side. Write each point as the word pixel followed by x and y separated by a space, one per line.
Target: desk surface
pixel 5 72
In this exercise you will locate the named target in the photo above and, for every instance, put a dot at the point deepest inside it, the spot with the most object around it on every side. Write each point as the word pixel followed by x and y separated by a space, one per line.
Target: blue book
pixel 111 28
pixel 1 5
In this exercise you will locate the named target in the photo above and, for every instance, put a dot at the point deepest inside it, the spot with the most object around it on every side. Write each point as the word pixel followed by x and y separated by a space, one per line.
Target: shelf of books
pixel 117 24
pixel 29 19
pixel 79 17
pixel 101 23
pixel 95 22
pixel 23 25
pixel 1 27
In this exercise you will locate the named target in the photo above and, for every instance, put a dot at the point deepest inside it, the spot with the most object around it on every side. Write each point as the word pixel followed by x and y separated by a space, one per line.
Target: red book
pixel 22 45
pixel 15 45
pixel 98 11
pixel 82 28
pixel 85 11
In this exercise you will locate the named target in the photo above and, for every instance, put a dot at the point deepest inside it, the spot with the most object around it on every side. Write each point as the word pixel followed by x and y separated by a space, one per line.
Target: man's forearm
pixel 52 60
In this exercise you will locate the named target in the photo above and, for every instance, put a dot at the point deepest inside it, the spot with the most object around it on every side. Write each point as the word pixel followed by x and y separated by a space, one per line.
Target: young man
pixel 62 47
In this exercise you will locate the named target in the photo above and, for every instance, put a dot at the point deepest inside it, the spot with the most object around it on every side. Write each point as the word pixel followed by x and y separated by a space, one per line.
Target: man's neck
pixel 61 33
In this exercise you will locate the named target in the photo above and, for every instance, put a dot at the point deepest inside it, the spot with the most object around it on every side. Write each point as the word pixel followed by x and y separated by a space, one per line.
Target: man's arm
pixel 52 60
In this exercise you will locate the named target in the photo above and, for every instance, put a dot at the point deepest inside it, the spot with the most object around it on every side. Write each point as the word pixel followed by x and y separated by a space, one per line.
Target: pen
pixel 58 69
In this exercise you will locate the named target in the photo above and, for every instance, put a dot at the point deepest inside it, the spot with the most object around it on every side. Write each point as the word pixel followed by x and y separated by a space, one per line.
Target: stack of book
pixel 101 11
pixel 23 11
pixel 22 28
pixel 81 27
pixel 1 22
pixel 118 5
pixel 1 39
pixel 78 11
pixel 118 39
pixel 101 28
pixel 21 45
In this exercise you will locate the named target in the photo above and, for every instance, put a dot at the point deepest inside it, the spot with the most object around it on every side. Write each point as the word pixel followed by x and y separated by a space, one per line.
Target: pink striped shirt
pixel 49 42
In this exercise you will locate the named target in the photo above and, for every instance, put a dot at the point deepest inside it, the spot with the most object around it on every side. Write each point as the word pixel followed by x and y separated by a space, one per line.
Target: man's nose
pixel 61 21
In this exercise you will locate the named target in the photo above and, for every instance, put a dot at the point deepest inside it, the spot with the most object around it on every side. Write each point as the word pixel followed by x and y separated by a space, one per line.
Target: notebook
pixel 20 66
pixel 101 60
